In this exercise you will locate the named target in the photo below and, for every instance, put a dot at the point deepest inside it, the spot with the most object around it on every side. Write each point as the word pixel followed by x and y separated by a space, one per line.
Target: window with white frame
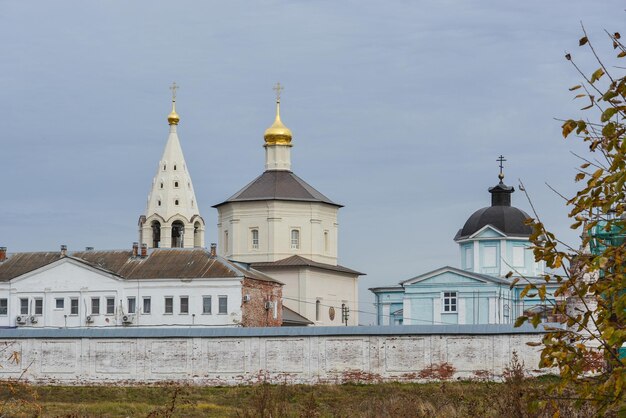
pixel 469 257
pixel 59 303
pixel 38 306
pixel 110 306
pixel 147 305
pixel 255 238
pixel 184 304
pixel 4 306
pixel 490 256
pixel 518 256
pixel 95 306
pixel 73 306
pixel 132 304
pixel 206 305
pixel 295 239
pixel 449 302
pixel 169 305
pixel 24 306
pixel 222 305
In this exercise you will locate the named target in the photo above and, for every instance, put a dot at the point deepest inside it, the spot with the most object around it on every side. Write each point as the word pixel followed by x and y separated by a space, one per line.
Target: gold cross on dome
pixel 501 159
pixel 278 88
pixel 174 88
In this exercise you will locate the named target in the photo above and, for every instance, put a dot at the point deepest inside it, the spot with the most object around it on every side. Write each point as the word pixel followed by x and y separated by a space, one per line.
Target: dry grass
pixel 515 398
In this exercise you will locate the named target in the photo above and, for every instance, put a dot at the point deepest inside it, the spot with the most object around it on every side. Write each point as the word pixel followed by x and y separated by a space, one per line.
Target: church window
pixel 95 306
pixel 156 233
pixel 192 203
pixel 206 305
pixel 197 237
pixel 469 258
pixel 110 306
pixel 147 305
pixel 226 241
pixel 222 307
pixel 176 202
pixel 489 256
pixel 24 306
pixel 178 231
pixel 295 239
pixel 161 187
pixel 73 306
pixel 169 305
pixel 59 303
pixel 188 185
pixel 175 184
pixel 318 309
pixel 518 256
pixel 184 304
pixel 164 167
pixel 4 306
pixel 159 203
pixel 255 239
pixel 132 304
pixel 174 167
pixel 326 243
pixel 38 306
pixel 449 302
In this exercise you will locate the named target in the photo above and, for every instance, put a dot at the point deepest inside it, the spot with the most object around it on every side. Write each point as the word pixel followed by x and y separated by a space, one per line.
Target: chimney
pixel 213 250
pixel 63 250
pixel 144 250
pixel 3 254
pixel 135 249
pixel 88 248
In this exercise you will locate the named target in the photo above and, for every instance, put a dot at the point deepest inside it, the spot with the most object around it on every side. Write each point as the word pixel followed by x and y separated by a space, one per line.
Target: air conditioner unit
pixel 21 319
pixel 33 319
pixel 246 298
pixel 89 319
pixel 128 319
pixel 269 305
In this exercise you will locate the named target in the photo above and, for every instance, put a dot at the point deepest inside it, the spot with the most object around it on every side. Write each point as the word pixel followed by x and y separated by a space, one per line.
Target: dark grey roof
pixel 175 263
pixel 299 261
pixel 220 332
pixel 293 318
pixel 506 219
pixel 501 215
pixel 278 185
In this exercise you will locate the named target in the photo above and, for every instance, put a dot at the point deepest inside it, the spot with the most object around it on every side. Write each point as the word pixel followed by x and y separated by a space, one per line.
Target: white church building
pixel 276 263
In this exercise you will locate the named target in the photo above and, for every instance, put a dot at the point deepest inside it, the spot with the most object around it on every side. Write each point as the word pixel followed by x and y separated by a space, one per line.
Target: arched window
pixel 178 232
pixel 161 184
pixel 326 244
pixel 295 239
pixel 197 236
pixel 174 167
pixel 226 242
pixel 255 239
pixel 164 167
pixel 156 234
pixel 176 202
pixel 159 203
pixel 318 308
pixel 175 184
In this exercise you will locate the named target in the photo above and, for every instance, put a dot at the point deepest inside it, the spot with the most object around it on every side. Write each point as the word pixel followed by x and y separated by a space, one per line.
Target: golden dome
pixel 277 134
pixel 173 117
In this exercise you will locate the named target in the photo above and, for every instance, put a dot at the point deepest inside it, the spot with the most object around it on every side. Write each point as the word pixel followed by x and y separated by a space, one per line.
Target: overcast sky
pixel 399 110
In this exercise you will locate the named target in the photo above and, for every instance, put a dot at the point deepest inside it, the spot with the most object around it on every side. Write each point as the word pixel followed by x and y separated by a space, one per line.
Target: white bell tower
pixel 172 218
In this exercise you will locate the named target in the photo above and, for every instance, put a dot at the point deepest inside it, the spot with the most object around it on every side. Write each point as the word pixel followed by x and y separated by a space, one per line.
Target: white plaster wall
pixel 304 286
pixel 237 360
pixel 69 279
pixel 275 219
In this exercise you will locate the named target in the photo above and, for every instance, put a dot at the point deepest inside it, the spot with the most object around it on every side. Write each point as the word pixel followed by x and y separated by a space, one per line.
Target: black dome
pixel 507 219
pixel 501 215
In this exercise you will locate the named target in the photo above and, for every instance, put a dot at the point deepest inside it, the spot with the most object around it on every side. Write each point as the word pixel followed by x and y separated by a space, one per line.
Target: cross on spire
pixel 501 160
pixel 174 88
pixel 278 88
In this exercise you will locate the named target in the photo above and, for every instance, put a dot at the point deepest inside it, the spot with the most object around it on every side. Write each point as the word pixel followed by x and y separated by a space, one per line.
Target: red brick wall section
pixel 254 312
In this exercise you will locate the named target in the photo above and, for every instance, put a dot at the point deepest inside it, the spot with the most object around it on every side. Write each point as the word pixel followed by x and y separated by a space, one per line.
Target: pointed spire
pixel 173 117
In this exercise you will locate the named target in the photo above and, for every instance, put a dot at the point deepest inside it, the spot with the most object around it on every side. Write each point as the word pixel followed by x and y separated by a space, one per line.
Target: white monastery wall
pixel 293 357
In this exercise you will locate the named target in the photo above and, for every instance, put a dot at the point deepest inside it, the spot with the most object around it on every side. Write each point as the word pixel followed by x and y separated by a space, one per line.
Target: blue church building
pixel 493 242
